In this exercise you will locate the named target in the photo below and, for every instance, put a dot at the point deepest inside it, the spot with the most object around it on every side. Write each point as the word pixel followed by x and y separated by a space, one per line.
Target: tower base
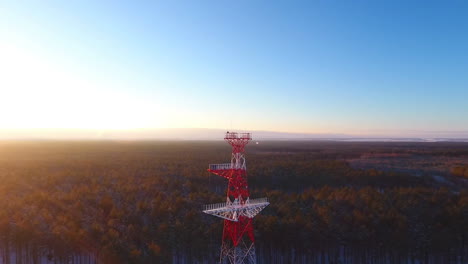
pixel 243 253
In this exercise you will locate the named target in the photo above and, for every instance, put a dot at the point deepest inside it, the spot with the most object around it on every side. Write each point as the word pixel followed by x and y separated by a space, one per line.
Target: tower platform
pixel 233 210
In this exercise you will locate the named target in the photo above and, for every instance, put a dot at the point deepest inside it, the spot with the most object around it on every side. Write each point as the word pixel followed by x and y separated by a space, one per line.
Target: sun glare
pixel 37 94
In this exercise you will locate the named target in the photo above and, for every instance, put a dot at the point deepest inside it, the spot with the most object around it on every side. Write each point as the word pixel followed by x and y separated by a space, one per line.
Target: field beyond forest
pixel 140 201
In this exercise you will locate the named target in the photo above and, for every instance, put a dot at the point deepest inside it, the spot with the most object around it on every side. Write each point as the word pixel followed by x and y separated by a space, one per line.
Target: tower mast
pixel 238 210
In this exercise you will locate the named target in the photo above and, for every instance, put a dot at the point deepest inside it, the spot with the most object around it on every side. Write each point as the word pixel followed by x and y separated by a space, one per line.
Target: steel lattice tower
pixel 238 210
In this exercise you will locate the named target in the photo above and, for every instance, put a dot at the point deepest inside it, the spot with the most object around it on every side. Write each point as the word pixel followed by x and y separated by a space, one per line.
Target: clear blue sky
pixel 394 68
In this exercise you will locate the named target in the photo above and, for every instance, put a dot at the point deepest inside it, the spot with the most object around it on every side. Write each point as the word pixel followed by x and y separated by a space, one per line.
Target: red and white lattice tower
pixel 238 210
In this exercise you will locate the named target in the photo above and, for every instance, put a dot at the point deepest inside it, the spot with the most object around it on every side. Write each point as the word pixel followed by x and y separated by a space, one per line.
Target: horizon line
pixel 213 134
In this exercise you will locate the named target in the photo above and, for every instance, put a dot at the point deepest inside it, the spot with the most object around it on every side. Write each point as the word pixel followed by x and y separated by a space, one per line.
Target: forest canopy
pixel 140 202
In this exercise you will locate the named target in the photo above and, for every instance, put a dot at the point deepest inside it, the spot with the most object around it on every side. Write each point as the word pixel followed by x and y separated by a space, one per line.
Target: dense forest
pixel 140 202
pixel 461 171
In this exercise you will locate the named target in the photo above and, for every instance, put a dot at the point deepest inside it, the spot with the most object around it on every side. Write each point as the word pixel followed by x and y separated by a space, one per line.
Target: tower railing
pixel 252 202
pixel 235 135
pixel 221 166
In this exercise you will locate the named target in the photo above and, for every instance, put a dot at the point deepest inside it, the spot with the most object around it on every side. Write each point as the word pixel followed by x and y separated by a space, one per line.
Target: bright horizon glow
pixel 365 69
pixel 42 95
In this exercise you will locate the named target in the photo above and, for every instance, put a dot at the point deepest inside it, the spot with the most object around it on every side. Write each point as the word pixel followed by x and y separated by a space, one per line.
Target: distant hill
pixel 211 134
